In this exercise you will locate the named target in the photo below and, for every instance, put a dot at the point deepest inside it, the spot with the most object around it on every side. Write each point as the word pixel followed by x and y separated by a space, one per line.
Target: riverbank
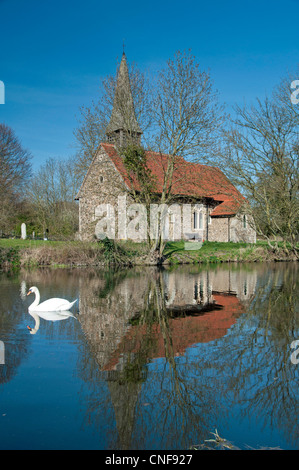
pixel 16 253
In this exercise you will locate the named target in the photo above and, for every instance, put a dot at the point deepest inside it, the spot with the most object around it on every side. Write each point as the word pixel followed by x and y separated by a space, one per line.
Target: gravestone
pixel 23 231
pixel 2 353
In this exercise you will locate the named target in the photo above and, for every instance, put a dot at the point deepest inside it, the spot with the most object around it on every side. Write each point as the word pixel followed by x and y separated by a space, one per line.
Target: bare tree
pixel 15 166
pixel 186 111
pixel 52 192
pixel 15 170
pixel 262 159
pixel 286 94
pixel 187 118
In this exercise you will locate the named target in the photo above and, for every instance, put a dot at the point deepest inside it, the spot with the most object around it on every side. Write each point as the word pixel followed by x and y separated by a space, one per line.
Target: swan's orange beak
pixel 30 329
pixel 29 292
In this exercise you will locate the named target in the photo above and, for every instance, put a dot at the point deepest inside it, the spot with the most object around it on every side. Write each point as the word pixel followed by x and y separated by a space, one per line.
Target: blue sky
pixel 54 54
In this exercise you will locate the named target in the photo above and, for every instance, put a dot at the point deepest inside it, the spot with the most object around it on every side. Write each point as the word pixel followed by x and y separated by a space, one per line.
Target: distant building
pixel 217 210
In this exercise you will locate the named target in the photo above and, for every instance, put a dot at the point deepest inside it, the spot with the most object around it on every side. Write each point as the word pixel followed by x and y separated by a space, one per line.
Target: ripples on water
pixel 154 359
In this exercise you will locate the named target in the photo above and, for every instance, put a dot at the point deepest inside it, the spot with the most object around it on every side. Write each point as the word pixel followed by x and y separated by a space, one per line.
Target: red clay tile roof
pixel 189 179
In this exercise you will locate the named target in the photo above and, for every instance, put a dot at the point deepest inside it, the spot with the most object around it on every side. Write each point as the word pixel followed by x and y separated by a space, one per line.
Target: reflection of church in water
pixel 127 317
pixel 200 307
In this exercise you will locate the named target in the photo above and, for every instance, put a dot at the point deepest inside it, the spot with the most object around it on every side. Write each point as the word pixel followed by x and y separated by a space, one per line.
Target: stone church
pixel 206 205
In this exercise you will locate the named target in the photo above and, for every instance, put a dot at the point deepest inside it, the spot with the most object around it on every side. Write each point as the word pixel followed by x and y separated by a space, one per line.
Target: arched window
pixel 244 221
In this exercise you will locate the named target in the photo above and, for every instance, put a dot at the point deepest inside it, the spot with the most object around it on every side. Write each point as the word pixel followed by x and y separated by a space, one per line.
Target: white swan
pixel 49 316
pixel 50 305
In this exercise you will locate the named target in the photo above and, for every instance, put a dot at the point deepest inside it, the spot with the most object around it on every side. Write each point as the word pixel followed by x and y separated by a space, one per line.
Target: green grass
pixel 19 243
pixel 207 247
pixel 22 244
pixel 216 252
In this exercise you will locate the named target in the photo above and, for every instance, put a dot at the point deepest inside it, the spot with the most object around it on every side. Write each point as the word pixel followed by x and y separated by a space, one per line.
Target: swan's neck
pixel 37 323
pixel 37 299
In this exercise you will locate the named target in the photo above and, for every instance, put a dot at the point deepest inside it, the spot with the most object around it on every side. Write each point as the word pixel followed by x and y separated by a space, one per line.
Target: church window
pixel 200 221
pixel 197 220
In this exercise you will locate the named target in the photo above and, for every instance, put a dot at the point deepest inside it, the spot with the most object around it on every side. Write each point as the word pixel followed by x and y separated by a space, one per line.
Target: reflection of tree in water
pixel 179 411
pixel 125 366
pixel 264 381
pixel 16 341
pixel 158 389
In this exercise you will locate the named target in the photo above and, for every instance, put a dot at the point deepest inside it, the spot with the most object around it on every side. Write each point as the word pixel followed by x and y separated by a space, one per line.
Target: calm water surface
pixel 151 359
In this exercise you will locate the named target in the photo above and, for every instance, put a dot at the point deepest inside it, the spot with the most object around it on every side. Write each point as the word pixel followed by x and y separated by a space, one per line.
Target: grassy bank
pixel 37 253
pixel 217 252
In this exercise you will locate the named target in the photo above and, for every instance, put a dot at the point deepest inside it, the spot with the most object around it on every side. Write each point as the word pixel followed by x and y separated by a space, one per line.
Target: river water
pixel 151 359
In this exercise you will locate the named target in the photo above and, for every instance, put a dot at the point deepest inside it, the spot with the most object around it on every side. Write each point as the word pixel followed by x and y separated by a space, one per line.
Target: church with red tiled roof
pixel 205 204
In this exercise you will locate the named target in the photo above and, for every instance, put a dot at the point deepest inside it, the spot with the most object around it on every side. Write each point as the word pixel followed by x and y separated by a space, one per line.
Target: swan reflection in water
pixel 50 305
pixel 54 309
pixel 49 316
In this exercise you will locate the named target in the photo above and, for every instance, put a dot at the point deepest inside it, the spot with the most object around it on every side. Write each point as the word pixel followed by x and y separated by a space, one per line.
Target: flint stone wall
pixel 103 185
